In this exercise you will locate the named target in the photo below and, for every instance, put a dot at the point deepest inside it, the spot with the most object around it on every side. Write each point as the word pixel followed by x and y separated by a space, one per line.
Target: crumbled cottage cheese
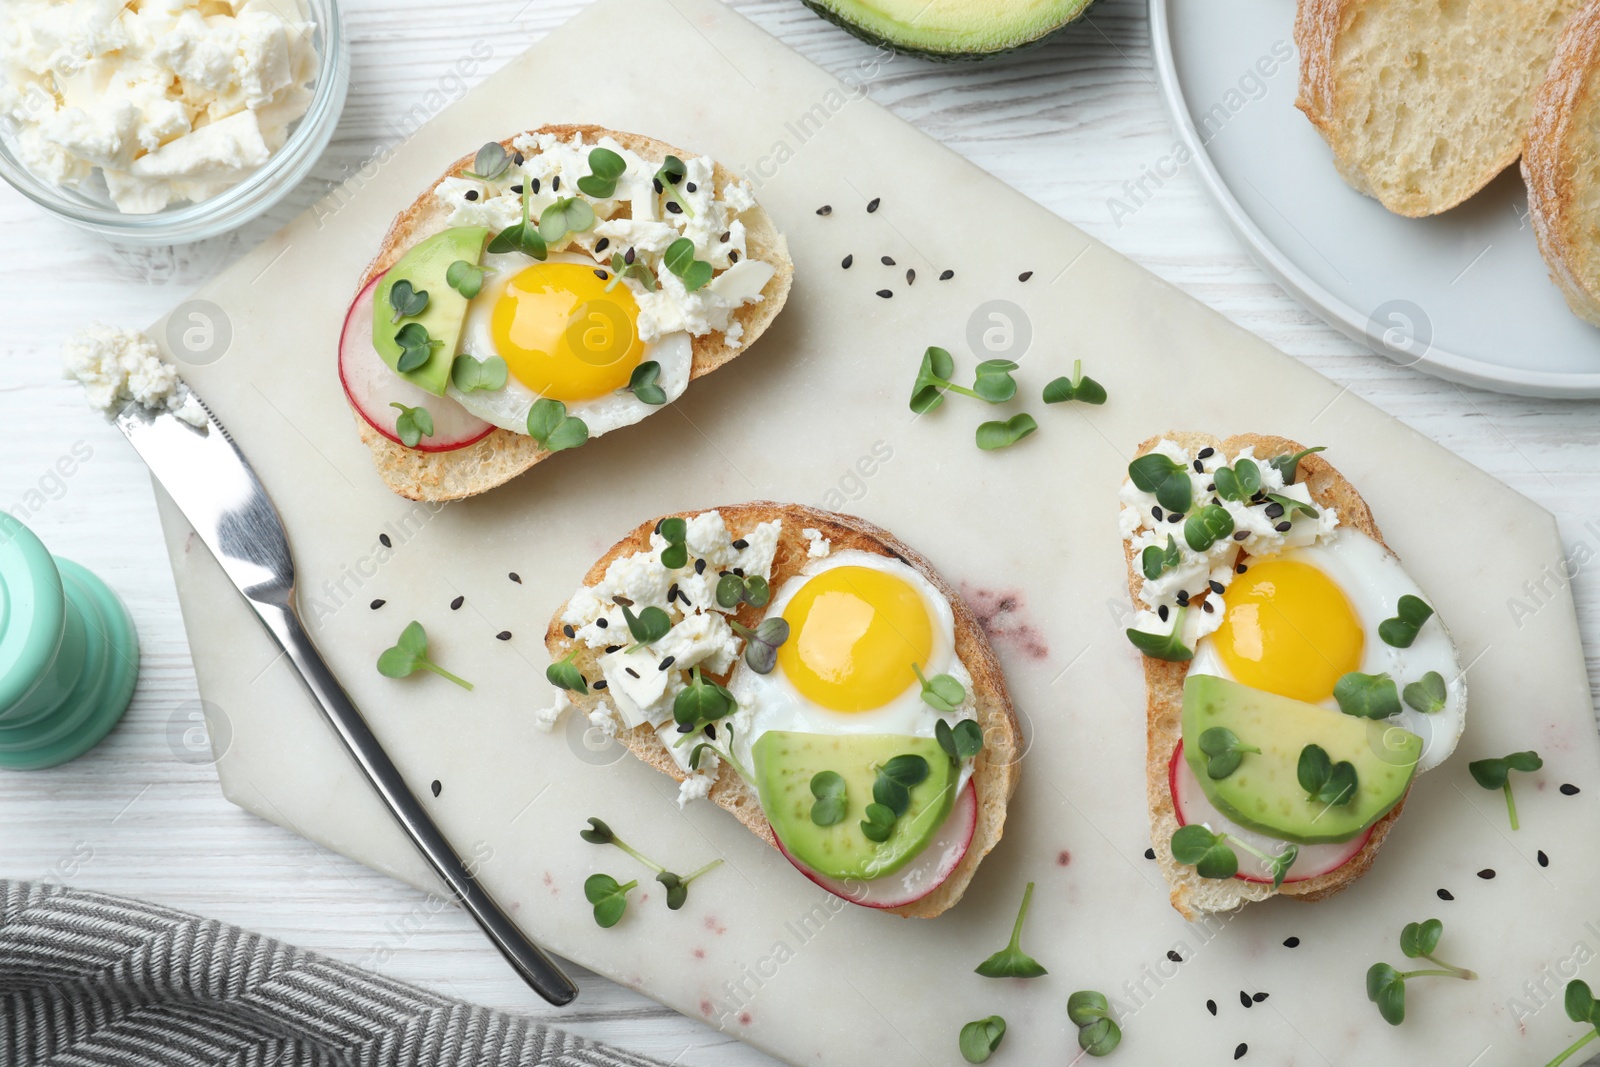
pixel 817 546
pixel 116 366
pixel 170 100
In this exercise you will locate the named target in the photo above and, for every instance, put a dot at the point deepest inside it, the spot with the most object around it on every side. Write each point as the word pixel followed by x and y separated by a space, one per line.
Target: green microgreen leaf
pixel 415 346
pixel 647 627
pixel 566 215
pixel 1208 853
pixel 1280 864
pixel 1410 614
pixel 1496 774
pixel 679 259
pixel 1011 961
pixel 605 167
pixel 642 383
pixel 700 702
pixel 732 590
pixel 1224 751
pixel 1168 646
pixel 941 692
pixel 1387 989
pixel 522 236
pixel 407 302
pixel 963 741
pixel 997 435
pixel 610 899
pixel 761 644
pixel 551 426
pixel 993 381
pixel 1288 464
pixel 598 833
pixel 1166 478
pixel 1156 561
pixel 564 674
pixel 469 374
pixel 626 265
pixel 879 822
pixel 1420 939
pixel 980 1038
pixel 1079 388
pixel 409 654
pixel 412 424
pixel 830 806
pixel 490 164
pixel 1324 781
pixel 1100 1037
pixel 1579 1002
pixel 1239 482
pixel 1428 694
pixel 1292 507
pixel 933 377
pixel 465 278
pixel 895 780
pixel 1207 526
pixel 674 531
pixel 1367 696
pixel 670 173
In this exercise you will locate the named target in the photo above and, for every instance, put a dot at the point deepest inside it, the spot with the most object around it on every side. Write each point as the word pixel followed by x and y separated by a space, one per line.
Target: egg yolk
pixel 854 633
pixel 1289 629
pixel 562 335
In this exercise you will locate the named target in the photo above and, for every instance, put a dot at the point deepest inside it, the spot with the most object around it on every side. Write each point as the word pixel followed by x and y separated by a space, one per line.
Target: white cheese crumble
pixel 817 546
pixel 546 718
pixel 170 100
pixel 1144 524
pixel 116 366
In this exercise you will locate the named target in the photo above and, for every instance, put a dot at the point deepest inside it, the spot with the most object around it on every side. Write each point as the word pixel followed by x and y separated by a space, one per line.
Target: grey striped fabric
pixel 90 980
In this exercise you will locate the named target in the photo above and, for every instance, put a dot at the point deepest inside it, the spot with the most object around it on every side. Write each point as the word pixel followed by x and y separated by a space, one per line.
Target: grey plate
pixel 1464 295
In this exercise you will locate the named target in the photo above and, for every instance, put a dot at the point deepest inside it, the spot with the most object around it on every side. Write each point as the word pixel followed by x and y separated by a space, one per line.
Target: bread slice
pixel 998 766
pixel 1423 103
pixel 1559 165
pixel 1193 895
pixel 503 455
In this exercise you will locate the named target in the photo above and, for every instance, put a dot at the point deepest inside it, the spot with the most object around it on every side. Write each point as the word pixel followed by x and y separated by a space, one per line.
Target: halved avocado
pixel 951 29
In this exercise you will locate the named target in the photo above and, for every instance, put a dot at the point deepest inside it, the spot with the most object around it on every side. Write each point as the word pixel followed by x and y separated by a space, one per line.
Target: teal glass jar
pixel 69 656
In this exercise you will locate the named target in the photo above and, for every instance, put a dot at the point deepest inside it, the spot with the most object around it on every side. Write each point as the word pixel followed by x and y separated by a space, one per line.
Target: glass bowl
pixel 91 208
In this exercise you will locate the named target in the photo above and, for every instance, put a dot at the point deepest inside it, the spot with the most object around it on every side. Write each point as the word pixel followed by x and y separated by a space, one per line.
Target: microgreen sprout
pixel 627 265
pixel 992 436
pixel 566 215
pixel 879 822
pixel 1011 961
pixel 605 167
pixel 1098 1032
pixel 960 742
pixel 1156 561
pixel 679 259
pixel 762 643
pixel 647 627
pixel 1239 482
pixel 490 164
pixel 1410 613
pixel 1085 390
pixel 1427 694
pixel 1581 1008
pixel 732 590
pixel 564 674
pixel 941 692
pixel 469 374
pixel 697 753
pixel 895 780
pixel 1224 751
pixel 415 346
pixel 1386 987
pixel 1207 526
pixel 465 278
pixel 831 804
pixel 609 897
pixel 1168 646
pixel 700 702
pixel 644 383
pixel 677 885
pixel 1496 774
pixel 1212 856
pixel 553 429
pixel 1166 478
pixel 409 654
pixel 1288 464
pixel 993 382
pixel 412 424
pixel 979 1039
pixel 675 531
pixel 1324 781
pixel 671 172
pixel 407 302
pixel 1367 696
pixel 1291 507
pixel 521 236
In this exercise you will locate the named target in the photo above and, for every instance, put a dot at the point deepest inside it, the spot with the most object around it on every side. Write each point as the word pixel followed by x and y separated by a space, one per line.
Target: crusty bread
pixel 1559 165
pixel 503 455
pixel 998 766
pixel 1423 104
pixel 1193 895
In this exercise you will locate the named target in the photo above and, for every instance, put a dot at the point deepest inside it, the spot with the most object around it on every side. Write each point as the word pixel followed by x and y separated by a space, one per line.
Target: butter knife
pixel 212 483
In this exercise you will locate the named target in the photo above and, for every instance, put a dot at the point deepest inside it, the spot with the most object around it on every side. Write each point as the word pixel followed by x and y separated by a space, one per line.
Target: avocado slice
pixel 424 266
pixel 951 29
pixel 784 764
pixel 1264 793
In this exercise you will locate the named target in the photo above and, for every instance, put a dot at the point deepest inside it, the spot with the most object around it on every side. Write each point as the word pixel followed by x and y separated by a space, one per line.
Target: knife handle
pixel 526 958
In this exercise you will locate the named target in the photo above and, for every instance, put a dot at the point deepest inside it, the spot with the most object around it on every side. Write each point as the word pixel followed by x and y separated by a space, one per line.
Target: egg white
pixel 508 408
pixel 1374 581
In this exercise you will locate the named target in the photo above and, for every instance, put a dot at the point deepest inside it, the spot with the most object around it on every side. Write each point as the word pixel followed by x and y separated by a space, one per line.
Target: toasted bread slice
pixel 1558 163
pixel 1193 895
pixel 1423 104
pixel 503 455
pixel 998 766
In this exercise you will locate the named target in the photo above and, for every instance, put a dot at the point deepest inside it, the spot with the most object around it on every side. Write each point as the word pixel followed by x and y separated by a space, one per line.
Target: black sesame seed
pixel 1162 612
pixel 1240 535
pixel 627 257
pixel 699 566
pixel 673 208
pixel 555 184
pixel 1445 894
pixel 1291 942
pixel 376 604
pixel 741 544
pixel 911 276
pixel 1183 598
pixel 503 635
pixel 1149 853
pixel 1207 452
pixel 885 293
pixel 1240 568
pixel 1157 512
pixel 654 181
pixel 569 631
pixel 1258 997
pixel 847 260
pixel 1025 275
pixel 726 234
pixel 1211 1006
pixel 601 684
pixel 612 648
pixel 739 571
pixel 1284 526
pixel 1206 607
pixel 945 276
pixel 825 209
pixel 602 623
pixel 472 194
pixel 1239 1052
pixel 1486 874
pixel 602 275
pixel 872 205
pixel 437 787
pixel 1211 487
pixel 622 602
pixel 602 244
pixel 515 577
pixel 733 256
pixel 1217 588
pixel 1172 954
pixel 1176 516
pixel 533 185
pixel 517 159
pixel 1199 468
pixel 888 261
pixel 517 189
pixel 455 605
pixel 672 592
pixel 691 187
pixel 1544 861
pixel 383 539
pixel 1244 998
pixel 1569 790
pixel 710 730
pixel 1274 510
pixel 631 672
pixel 664 664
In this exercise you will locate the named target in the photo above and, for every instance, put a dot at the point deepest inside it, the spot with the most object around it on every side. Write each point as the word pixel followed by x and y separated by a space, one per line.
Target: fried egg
pixel 565 337
pixel 1296 622
pixel 858 621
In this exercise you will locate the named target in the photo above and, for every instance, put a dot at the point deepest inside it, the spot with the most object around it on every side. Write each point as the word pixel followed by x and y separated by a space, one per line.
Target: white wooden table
pixel 1068 124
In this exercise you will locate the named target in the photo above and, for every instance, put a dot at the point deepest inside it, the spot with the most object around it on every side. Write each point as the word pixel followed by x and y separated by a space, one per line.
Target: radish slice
pixel 926 872
pixel 371 387
pixel 1192 805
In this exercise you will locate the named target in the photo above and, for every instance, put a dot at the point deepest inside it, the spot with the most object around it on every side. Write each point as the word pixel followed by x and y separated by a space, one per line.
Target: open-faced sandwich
pixel 1297 678
pixel 550 288
pixel 812 675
